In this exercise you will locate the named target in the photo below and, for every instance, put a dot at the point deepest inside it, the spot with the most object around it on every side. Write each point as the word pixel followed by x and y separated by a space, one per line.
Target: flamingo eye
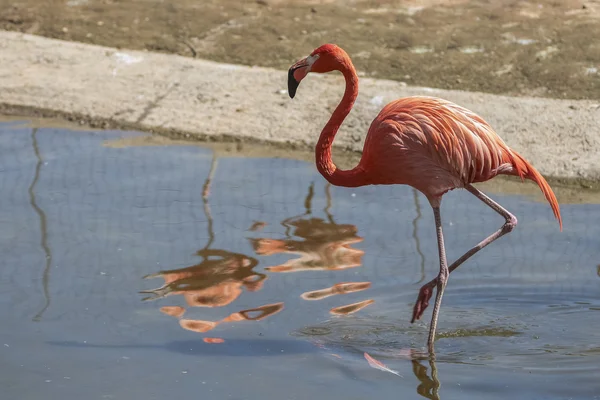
pixel 311 59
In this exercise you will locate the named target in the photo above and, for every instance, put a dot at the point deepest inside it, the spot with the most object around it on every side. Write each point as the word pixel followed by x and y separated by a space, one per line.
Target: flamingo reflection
pixel 429 386
pixel 325 245
pixel 338 288
pixel 351 308
pixel 216 281
pixel 261 312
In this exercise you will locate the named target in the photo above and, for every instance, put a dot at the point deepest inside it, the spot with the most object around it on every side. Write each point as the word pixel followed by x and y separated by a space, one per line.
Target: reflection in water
pixel 326 245
pixel 173 311
pixel 196 325
pixel 213 340
pixel 43 225
pixel 416 235
pixel 257 226
pixel 222 275
pixel 262 312
pixel 215 282
pixel 350 340
pixel 351 308
pixel 338 288
pixel 429 386
pixel 219 279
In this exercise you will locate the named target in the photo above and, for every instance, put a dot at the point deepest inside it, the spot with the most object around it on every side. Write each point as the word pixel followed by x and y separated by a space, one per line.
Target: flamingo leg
pixel 511 221
pixel 441 279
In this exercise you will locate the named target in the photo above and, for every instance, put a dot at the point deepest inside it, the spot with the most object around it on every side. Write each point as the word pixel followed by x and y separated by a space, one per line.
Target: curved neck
pixel 325 165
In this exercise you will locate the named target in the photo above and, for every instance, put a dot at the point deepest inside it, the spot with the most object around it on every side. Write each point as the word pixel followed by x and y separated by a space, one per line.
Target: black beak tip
pixel 292 83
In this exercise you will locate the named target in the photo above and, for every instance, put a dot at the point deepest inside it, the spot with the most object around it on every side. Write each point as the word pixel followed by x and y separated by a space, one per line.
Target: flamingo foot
pixel 422 302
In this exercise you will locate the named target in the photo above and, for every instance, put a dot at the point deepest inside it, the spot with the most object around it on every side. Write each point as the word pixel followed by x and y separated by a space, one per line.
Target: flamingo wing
pixel 435 145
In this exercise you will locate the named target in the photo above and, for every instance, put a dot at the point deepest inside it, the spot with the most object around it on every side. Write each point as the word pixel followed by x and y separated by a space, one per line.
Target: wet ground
pixel 172 271
pixel 540 48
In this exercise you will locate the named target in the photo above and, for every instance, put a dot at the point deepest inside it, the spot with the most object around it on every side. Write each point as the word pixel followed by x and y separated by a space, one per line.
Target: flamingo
pixel 425 142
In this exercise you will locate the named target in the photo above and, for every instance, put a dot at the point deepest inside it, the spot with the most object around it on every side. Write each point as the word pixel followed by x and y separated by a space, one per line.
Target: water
pixel 118 262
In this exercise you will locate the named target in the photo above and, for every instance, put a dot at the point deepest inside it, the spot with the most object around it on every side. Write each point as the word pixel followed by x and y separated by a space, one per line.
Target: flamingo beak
pixel 292 83
pixel 296 73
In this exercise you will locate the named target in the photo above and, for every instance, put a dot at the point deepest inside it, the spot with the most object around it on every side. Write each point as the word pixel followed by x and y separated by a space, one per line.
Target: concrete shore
pixel 204 100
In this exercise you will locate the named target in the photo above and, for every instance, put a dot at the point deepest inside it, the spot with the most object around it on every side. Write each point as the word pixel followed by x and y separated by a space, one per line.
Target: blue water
pixel 87 227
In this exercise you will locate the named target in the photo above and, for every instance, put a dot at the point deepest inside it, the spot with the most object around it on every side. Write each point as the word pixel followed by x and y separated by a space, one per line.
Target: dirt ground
pixel 547 48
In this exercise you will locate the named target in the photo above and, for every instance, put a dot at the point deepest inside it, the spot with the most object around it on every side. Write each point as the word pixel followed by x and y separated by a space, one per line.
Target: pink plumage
pixel 428 143
pixel 435 145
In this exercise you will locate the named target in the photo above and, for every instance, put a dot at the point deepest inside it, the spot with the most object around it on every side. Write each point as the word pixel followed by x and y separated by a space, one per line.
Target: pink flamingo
pixel 428 143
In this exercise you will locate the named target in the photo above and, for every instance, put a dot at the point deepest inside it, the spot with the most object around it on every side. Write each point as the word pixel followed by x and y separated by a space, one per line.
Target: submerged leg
pixel 511 221
pixel 442 278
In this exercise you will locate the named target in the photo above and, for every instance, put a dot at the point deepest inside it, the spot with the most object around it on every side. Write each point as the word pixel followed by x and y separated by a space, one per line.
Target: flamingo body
pixel 435 146
pixel 428 143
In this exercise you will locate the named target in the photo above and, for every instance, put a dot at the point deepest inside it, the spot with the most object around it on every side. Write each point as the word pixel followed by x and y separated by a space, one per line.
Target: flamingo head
pixel 325 58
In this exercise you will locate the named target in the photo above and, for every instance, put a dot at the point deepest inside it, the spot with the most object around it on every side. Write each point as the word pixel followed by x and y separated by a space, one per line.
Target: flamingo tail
pixel 525 170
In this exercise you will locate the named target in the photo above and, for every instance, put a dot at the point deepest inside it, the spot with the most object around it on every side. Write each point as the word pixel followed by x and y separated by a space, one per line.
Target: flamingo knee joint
pixel 511 223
